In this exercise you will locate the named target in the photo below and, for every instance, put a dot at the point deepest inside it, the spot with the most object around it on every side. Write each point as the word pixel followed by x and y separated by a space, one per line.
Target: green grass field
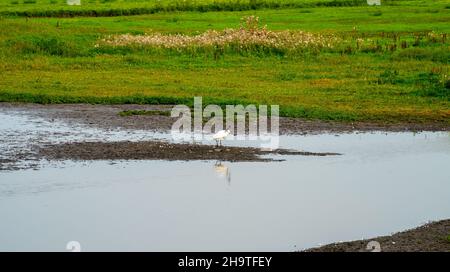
pixel 398 73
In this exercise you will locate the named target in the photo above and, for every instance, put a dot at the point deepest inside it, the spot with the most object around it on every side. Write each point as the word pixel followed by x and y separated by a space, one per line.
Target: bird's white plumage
pixel 221 135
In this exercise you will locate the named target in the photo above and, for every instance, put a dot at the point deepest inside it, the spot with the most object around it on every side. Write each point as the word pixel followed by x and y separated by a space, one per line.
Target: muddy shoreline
pixel 431 237
pixel 108 117
pixel 19 152
pixel 145 150
pixel 158 150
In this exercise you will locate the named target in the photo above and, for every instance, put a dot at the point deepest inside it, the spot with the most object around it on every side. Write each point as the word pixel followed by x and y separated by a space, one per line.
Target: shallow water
pixel 20 131
pixel 383 183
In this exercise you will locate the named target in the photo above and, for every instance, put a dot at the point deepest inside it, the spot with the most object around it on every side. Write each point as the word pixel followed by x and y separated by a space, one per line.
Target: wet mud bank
pixel 433 236
pixel 112 117
pixel 158 150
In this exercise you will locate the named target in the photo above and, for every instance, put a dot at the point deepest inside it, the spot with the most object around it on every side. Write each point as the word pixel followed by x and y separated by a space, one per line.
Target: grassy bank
pixel 95 8
pixel 384 67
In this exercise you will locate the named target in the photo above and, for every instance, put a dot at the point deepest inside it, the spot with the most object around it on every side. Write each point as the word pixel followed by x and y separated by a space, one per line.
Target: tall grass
pixel 177 5
pixel 253 39
pixel 48 45
pixel 249 38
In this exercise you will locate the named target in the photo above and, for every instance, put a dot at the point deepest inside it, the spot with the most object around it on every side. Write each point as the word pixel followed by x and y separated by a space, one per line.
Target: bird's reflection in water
pixel 223 171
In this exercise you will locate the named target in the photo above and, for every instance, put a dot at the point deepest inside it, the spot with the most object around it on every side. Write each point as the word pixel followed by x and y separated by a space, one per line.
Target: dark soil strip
pixel 151 150
pixel 116 117
pixel 430 237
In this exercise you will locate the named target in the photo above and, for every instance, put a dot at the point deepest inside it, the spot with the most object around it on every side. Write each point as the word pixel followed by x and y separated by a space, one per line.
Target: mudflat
pixel 433 236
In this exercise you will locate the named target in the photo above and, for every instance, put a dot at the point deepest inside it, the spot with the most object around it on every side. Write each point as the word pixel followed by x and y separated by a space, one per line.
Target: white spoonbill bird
pixel 220 136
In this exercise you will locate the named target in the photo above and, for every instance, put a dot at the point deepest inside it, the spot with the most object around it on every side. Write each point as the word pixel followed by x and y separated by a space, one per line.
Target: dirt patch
pixel 109 117
pixel 430 237
pixel 156 150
